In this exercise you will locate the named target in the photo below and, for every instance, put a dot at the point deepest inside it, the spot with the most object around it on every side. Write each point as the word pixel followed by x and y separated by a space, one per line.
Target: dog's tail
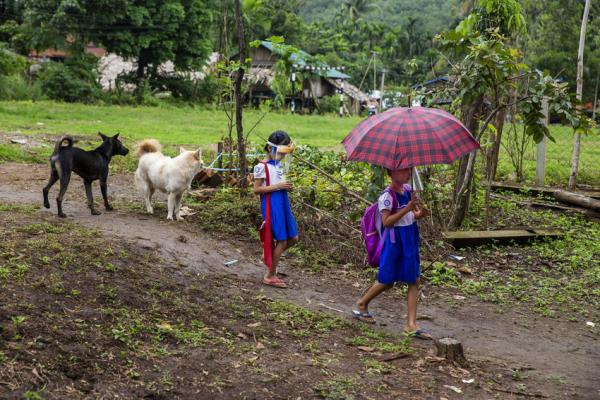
pixel 147 146
pixel 63 143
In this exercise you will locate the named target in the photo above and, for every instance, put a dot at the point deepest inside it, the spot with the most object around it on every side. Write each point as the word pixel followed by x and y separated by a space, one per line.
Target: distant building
pixel 323 81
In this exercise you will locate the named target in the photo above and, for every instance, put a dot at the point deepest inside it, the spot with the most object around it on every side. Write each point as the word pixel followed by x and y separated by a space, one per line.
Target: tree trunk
pixel 451 349
pixel 464 178
pixel 577 140
pixel 241 143
pixel 492 159
pixel 469 119
pixel 577 199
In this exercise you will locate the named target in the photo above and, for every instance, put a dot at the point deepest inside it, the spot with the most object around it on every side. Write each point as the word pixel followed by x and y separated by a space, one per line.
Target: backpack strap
pixel 395 207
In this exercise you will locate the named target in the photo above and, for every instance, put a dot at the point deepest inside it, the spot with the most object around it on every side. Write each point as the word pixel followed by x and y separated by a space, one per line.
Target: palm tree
pixel 467 7
pixel 355 9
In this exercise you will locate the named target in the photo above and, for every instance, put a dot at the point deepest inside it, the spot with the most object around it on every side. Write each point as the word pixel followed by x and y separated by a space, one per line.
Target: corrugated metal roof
pixel 303 59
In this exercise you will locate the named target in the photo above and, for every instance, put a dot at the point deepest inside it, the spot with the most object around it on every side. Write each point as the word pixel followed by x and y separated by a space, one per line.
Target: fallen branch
pixel 328 215
pixel 539 395
pixel 394 357
pixel 334 180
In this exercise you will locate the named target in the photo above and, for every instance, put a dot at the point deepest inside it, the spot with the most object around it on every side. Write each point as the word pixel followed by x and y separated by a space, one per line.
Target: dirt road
pixel 560 359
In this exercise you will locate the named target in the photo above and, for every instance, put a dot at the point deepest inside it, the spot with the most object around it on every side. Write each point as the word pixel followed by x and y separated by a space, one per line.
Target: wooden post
pixel 540 157
pixel 577 139
pixel 220 154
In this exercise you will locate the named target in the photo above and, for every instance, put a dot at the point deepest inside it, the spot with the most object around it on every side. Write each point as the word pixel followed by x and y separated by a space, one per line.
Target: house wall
pixel 262 57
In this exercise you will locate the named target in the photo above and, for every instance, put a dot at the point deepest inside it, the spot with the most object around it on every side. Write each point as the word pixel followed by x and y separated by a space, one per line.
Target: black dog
pixel 90 165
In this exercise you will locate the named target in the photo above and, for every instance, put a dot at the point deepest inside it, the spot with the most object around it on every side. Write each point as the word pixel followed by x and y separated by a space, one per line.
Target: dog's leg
pixel 65 178
pixel 171 205
pixel 103 189
pixel 51 181
pixel 178 206
pixel 148 199
pixel 90 198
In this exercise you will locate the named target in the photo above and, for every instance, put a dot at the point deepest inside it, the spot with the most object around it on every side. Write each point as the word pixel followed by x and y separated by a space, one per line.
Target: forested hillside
pixel 434 15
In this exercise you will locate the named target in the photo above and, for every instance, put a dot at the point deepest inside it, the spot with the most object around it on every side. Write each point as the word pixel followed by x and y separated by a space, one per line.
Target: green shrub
pixel 15 87
pixel 75 80
pixel 330 104
pixel 11 63
pixel 188 90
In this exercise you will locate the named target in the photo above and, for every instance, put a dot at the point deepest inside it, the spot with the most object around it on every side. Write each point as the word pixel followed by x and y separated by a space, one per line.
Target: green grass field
pixel 168 124
pixel 205 126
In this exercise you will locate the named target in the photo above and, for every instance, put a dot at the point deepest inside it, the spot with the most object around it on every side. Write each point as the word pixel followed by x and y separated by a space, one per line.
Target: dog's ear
pixel 102 135
pixel 198 154
pixel 116 136
pixel 182 150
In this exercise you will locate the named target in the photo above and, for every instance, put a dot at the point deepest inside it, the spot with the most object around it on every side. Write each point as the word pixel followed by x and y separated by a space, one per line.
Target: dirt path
pixel 560 359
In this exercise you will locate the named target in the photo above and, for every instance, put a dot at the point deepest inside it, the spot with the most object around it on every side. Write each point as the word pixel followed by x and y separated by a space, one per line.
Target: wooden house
pixel 320 79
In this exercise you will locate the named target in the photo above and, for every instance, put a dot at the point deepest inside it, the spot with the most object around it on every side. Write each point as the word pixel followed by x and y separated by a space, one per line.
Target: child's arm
pixel 259 189
pixel 388 219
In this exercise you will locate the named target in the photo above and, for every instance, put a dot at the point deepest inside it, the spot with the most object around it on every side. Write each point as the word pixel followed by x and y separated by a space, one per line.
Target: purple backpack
pixel 373 231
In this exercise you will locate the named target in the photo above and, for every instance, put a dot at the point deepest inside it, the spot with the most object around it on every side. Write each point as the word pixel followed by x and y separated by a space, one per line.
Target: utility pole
pixel 374 71
pixel 383 71
pixel 293 102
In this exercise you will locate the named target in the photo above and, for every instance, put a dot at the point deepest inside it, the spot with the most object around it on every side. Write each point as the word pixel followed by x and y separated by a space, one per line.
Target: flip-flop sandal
pixel 365 317
pixel 422 334
pixel 275 282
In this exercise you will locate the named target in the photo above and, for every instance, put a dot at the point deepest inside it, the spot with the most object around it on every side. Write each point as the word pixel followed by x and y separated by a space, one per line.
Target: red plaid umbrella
pixel 407 137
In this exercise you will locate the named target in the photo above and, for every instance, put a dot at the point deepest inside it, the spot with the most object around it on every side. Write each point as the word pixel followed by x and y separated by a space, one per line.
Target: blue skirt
pixel 400 261
pixel 283 224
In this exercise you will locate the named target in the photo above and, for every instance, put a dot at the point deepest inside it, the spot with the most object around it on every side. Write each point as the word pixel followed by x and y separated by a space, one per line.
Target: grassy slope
pixel 171 125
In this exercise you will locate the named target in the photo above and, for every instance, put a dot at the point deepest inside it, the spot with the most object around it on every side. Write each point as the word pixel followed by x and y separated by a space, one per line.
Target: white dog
pixel 169 175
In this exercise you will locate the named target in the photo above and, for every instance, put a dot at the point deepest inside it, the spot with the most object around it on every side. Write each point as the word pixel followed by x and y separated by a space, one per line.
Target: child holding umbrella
pixel 399 139
pixel 399 261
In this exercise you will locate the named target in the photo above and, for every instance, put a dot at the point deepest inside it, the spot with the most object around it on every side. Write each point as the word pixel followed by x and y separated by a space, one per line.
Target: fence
pixel 558 157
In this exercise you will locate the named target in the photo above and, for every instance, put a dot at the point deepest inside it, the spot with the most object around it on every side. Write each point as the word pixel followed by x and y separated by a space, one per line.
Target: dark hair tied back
pixel 278 137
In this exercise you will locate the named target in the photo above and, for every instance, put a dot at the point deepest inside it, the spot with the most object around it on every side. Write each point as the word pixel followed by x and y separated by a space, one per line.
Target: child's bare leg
pixel 292 242
pixel 277 252
pixel 374 291
pixel 412 297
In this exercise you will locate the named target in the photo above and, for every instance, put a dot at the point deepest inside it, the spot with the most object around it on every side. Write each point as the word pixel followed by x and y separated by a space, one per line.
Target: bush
pixel 189 90
pixel 330 104
pixel 75 80
pixel 17 88
pixel 11 63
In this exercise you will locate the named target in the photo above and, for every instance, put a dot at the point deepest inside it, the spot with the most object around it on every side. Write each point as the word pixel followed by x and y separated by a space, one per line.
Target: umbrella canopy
pixel 407 137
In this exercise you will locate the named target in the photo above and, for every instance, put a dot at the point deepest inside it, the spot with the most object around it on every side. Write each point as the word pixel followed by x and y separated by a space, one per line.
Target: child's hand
pixel 287 186
pixel 421 212
pixel 413 203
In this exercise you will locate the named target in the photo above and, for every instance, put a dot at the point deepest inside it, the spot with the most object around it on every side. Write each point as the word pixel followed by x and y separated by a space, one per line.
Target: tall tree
pixel 151 31
pixel 241 141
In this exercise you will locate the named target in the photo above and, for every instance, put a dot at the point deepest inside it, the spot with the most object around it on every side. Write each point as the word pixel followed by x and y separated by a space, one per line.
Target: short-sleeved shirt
pixel 275 173
pixel 385 203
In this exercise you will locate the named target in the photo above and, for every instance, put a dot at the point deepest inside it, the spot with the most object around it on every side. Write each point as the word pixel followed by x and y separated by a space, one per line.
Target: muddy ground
pixel 126 305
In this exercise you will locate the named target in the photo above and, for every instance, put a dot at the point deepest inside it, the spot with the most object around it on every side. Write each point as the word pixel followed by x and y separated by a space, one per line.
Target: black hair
pixel 278 137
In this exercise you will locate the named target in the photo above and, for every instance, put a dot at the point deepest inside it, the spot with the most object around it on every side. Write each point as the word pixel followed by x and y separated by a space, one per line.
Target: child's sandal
pixel 275 282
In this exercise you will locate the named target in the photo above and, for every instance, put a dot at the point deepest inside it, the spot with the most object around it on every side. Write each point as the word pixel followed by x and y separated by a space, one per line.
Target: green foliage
pixel 11 63
pixel 155 31
pixel 441 274
pixel 17 88
pixel 75 80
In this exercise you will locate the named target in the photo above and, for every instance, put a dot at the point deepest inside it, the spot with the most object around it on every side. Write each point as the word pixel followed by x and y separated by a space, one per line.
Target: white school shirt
pixel 275 173
pixel 385 203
